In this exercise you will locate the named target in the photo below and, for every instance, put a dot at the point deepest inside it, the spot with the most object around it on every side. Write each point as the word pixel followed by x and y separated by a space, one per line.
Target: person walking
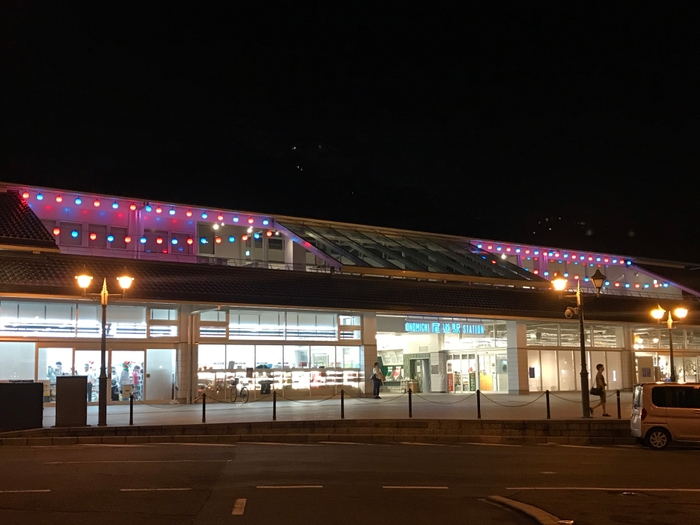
pixel 600 384
pixel 377 380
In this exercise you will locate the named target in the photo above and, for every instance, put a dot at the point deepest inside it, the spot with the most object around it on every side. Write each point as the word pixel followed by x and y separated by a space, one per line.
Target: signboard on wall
pixel 443 328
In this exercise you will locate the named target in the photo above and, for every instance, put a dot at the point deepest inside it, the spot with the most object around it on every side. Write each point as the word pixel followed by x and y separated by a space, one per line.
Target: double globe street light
pixel 84 281
pixel 680 313
pixel 559 284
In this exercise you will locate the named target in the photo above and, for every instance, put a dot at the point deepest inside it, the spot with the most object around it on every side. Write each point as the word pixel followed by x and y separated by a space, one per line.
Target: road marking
pixel 421 444
pixel 153 490
pixel 238 507
pixel 341 443
pixel 23 491
pixel 588 447
pixel 493 445
pixel 430 487
pixel 196 444
pixel 289 487
pixel 283 444
pixel 136 461
pixel 607 489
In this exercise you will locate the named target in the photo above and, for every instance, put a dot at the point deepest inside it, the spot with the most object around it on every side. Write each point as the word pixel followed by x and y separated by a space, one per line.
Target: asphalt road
pixel 344 483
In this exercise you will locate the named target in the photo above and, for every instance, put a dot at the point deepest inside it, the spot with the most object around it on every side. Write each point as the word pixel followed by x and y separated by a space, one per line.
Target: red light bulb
pixel 159 240
pixel 59 198
pixel 127 239
pixel 96 204
pixel 132 207
pixel 189 240
pixel 57 231
pixel 93 236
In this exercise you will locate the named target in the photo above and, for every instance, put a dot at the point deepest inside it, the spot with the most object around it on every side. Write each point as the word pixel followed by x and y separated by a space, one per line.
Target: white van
pixel 665 412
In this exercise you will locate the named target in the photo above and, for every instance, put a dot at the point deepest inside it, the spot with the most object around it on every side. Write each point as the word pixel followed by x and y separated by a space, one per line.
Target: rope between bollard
pixel 446 402
pixel 309 402
pixel 513 406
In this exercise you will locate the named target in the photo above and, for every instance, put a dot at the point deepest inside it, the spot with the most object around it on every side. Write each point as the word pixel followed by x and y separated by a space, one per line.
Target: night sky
pixel 573 124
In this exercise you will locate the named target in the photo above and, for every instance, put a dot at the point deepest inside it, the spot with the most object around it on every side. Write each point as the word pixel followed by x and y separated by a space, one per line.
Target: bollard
pixel 410 403
pixel 274 405
pixel 549 415
pixel 342 404
pixel 619 412
pixel 204 408
pixel 131 409
pixel 478 404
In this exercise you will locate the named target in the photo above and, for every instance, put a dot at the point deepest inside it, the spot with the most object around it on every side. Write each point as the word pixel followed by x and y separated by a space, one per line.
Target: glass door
pixel 127 369
pixel 87 363
pixel 160 379
pixel 53 362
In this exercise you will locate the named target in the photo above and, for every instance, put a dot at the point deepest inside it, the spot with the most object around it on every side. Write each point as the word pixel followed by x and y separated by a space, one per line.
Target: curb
pixel 540 516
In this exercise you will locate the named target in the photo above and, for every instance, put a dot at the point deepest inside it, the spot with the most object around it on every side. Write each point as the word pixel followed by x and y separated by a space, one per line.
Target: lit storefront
pixel 299 353
pixel 42 340
pixel 554 356
pixel 652 353
pixel 443 354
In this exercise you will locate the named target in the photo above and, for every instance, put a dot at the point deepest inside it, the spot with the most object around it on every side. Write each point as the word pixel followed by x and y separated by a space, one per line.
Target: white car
pixel 665 412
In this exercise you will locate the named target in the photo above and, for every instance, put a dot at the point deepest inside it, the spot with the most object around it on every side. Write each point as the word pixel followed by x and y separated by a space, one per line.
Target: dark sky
pixel 491 119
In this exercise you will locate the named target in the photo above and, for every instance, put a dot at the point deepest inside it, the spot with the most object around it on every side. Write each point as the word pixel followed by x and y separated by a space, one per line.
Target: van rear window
pixel 675 397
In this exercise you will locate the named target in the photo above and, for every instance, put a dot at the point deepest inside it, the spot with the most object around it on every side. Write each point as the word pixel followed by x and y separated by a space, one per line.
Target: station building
pixel 307 306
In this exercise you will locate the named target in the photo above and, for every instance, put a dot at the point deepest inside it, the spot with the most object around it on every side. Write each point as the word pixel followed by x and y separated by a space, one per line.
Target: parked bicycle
pixel 238 391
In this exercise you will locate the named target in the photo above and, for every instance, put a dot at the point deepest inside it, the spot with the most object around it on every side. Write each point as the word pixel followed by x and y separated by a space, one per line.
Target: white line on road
pixel 607 489
pixel 238 507
pixel 589 447
pixel 340 443
pixel 421 444
pixel 289 487
pixel 136 461
pixel 23 491
pixel 154 490
pixel 279 444
pixel 493 445
pixel 429 487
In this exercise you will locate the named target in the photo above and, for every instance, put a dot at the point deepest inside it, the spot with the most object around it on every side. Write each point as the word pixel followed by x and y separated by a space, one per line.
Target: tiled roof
pixel 54 274
pixel 20 227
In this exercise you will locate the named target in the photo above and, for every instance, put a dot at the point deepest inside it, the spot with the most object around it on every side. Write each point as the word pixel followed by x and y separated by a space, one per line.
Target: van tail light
pixel 644 414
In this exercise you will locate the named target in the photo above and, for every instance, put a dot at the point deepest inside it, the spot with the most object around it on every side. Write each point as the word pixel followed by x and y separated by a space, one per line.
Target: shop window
pixel 16 361
pixel 567 372
pixel 352 357
pixel 570 335
pixel 542 334
pixel 164 314
pixel 240 357
pixel 349 320
pixel 211 357
pixel 607 336
pixel 268 356
pixel 214 316
pixel 25 318
pixel 613 370
pixel 322 356
pixel 296 356
pixel 534 371
pixel 692 338
pixel 550 374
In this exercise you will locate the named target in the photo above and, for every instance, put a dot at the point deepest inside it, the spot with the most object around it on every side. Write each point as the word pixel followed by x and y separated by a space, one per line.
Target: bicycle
pixel 239 390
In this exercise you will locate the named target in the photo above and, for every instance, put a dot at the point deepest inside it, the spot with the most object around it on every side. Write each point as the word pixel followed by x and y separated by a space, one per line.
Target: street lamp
pixel 560 284
pixel 84 281
pixel 658 314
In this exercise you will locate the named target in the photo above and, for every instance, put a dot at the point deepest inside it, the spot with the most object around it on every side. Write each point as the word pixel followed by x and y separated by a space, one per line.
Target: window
pixel 164 314
pixel 275 244
pixel 542 334
pixel 17 361
pixel 676 397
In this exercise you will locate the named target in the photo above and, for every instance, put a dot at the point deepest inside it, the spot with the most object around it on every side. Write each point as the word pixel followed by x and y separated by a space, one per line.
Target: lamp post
pixel 680 313
pixel 559 284
pixel 84 281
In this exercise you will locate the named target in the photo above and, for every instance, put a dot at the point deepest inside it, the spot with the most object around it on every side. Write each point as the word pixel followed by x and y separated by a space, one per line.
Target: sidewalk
pixel 563 406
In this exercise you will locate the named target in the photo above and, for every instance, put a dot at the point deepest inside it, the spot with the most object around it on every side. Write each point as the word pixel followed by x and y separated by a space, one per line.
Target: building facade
pixel 306 307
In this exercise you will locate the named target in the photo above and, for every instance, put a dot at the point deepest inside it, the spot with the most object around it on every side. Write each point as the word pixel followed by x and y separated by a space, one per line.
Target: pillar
pixel 295 256
pixel 516 337
pixel 369 350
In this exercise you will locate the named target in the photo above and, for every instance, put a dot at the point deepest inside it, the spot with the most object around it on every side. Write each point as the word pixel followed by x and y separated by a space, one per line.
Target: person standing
pixel 90 381
pixel 377 380
pixel 601 386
